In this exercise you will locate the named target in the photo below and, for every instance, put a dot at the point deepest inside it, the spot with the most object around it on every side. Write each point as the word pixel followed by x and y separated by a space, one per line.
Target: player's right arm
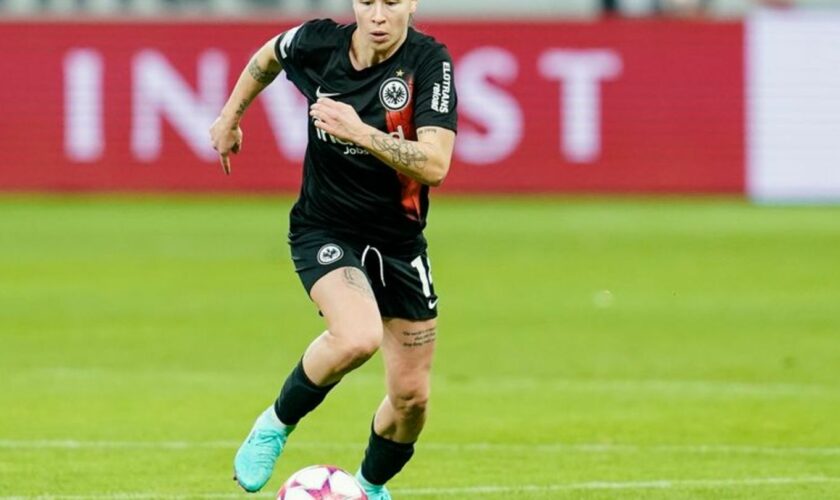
pixel 225 133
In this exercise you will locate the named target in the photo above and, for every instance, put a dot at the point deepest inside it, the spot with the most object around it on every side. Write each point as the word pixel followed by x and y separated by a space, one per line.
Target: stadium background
pixel 637 252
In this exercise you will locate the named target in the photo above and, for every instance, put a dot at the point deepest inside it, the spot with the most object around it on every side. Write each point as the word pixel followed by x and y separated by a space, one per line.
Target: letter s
pixel 488 105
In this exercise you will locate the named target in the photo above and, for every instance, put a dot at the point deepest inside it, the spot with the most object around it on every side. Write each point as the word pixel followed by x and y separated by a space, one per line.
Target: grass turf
pixel 588 348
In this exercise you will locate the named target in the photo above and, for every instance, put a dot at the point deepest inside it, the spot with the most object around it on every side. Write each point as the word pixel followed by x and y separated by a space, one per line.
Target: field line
pixel 660 386
pixel 675 387
pixel 661 484
pixel 549 448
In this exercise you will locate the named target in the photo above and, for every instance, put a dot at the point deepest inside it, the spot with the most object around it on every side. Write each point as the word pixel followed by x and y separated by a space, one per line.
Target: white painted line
pixel 72 444
pixel 661 484
pixel 139 496
pixel 549 448
pixel 678 388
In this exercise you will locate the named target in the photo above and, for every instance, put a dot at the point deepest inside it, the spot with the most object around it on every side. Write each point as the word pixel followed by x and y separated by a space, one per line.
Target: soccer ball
pixel 321 482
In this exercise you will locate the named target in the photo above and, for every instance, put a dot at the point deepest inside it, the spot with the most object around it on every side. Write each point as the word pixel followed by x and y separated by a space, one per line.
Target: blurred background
pixel 463 8
pixel 576 96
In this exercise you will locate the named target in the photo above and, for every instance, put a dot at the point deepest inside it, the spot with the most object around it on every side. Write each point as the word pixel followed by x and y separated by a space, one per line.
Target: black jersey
pixel 345 188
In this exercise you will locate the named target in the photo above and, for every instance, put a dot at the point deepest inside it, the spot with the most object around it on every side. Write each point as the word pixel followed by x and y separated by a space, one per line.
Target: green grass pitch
pixel 588 348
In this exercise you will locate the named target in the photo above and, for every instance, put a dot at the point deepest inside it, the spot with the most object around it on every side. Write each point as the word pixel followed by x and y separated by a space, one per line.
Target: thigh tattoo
pixel 418 338
pixel 357 281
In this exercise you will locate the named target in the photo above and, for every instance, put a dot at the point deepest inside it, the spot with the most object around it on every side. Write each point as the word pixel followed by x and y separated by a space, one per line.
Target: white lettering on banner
pixel 580 72
pixel 287 112
pixel 84 137
pixel 490 133
pixel 159 91
pixel 503 120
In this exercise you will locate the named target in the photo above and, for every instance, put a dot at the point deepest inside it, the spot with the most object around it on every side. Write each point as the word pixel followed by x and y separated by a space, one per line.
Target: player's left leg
pixel 407 349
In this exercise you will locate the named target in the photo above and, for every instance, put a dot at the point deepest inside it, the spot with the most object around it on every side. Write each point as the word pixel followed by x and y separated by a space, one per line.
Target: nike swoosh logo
pixel 320 94
pixel 433 303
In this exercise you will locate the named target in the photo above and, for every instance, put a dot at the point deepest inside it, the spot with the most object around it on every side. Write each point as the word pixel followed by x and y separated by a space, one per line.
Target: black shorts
pixel 401 278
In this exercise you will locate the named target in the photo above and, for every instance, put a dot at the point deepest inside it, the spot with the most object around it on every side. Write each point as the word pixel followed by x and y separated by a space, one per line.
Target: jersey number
pixel 425 275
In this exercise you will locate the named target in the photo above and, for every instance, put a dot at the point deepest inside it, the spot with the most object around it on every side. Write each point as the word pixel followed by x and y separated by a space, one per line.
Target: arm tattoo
pixel 357 281
pixel 263 76
pixel 427 131
pixel 419 338
pixel 402 153
pixel 243 105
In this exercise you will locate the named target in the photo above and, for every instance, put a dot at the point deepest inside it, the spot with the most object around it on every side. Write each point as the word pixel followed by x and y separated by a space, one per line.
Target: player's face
pixel 383 23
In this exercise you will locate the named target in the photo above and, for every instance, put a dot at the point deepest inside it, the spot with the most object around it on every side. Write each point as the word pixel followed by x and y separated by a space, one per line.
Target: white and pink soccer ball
pixel 321 482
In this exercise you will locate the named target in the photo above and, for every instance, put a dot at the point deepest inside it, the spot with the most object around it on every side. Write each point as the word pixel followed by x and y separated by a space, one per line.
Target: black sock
pixel 299 396
pixel 384 458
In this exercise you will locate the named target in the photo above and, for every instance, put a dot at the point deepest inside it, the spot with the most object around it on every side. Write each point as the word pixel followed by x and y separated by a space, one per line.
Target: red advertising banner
pixel 613 106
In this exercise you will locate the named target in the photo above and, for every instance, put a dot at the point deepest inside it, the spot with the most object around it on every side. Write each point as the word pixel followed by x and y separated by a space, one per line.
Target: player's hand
pixel 337 119
pixel 226 138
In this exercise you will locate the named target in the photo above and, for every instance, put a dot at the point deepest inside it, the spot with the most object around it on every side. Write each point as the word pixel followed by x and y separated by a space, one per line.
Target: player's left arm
pixel 426 160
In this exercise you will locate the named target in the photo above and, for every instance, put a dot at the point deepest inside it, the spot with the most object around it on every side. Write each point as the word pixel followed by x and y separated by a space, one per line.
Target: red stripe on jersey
pixel 404 119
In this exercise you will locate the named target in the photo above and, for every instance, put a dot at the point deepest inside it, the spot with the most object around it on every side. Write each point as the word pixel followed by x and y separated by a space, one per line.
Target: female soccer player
pixel 382 130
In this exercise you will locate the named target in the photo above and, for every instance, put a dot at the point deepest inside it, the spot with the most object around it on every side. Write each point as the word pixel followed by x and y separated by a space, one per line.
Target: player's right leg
pixel 354 327
pixel 354 333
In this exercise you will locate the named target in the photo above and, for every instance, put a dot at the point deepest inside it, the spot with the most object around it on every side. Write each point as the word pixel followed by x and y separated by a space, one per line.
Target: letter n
pixel 159 92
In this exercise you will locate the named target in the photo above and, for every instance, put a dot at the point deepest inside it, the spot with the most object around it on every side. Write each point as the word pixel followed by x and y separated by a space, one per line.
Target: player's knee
pixel 361 350
pixel 357 344
pixel 410 403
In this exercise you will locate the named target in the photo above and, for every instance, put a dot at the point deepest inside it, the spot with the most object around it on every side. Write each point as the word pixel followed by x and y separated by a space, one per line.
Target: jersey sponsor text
pixel 441 92
pixel 350 148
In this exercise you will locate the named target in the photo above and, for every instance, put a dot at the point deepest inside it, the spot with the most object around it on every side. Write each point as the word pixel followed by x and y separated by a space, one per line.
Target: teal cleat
pixel 373 491
pixel 255 459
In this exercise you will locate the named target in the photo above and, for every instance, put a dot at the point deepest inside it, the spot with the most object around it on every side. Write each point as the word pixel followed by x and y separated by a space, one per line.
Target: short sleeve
pixel 436 98
pixel 299 45
pixel 287 47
